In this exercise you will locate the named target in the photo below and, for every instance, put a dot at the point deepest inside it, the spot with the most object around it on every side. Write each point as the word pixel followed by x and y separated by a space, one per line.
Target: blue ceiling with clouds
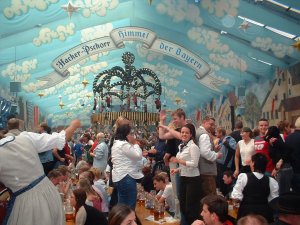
pixel 34 33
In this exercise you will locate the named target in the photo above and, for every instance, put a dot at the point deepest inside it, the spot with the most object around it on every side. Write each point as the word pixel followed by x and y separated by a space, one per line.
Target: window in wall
pixel 290 92
pixel 272 115
pixel 279 81
pixel 264 115
pixel 268 116
pixel 283 77
pixel 276 114
pixel 284 96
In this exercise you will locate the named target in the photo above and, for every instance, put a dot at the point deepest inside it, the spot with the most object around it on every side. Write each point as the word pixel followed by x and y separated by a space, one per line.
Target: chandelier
pixel 128 82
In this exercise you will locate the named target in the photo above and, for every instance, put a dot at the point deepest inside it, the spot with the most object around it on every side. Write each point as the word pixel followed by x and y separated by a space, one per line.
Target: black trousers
pixel 189 198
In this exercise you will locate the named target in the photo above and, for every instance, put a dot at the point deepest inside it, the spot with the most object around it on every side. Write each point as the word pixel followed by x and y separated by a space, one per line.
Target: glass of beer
pixel 142 199
pixel 236 205
pixel 161 210
pixel 156 214
pixel 69 216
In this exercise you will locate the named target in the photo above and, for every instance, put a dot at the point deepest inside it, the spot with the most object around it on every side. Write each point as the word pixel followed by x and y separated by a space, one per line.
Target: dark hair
pixel 282 125
pixel 122 132
pixel 273 132
pixel 46 128
pixel 238 124
pixel 255 132
pixel 248 130
pixel 192 129
pixel 119 213
pixel 216 204
pixel 263 119
pixel 260 162
pixel 80 197
pixel 13 123
pixel 228 173
pixel 252 219
pixel 208 118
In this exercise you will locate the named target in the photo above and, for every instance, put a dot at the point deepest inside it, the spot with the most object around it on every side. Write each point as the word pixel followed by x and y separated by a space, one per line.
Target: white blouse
pixel 126 158
pixel 190 154
pixel 246 150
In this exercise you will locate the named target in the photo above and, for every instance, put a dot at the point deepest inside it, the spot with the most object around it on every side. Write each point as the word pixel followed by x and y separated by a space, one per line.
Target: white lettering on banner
pixel 116 40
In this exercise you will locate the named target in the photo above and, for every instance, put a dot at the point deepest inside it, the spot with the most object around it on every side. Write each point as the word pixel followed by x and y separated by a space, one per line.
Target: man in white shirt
pixel 165 193
pixel 255 190
pixel 208 157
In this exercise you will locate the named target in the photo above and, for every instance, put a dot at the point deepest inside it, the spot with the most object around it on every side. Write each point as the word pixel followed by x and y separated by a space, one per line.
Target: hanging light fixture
pixel 177 100
pixel 61 104
pixel 88 95
pixel 85 82
pixel 41 94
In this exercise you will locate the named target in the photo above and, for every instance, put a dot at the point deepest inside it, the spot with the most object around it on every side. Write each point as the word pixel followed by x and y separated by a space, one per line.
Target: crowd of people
pixel 193 171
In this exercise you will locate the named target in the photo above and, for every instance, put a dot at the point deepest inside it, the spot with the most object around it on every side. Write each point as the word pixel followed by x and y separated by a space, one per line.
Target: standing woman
pixel 85 214
pixel 126 154
pixel 114 195
pixel 34 195
pixel 188 158
pixel 244 150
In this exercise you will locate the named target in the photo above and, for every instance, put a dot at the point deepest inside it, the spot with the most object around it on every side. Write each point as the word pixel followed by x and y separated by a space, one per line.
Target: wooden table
pixel 143 213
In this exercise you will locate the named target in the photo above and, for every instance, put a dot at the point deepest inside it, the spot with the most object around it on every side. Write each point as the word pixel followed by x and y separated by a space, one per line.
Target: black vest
pixel 255 200
pixel 94 217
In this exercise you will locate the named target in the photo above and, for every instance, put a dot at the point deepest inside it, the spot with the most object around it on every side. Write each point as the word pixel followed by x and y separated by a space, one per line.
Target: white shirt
pixel 168 195
pixel 242 181
pixel 125 159
pixel 205 146
pixel 246 150
pixel 190 154
pixel 81 216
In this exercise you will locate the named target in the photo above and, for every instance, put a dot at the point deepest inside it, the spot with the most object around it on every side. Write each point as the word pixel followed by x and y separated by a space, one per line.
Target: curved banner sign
pixel 115 41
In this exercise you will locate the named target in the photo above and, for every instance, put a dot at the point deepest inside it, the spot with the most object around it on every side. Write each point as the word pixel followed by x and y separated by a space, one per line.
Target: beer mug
pixel 69 212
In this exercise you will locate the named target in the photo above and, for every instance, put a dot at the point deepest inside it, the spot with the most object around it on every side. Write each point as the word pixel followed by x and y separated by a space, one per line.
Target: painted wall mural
pixel 275 100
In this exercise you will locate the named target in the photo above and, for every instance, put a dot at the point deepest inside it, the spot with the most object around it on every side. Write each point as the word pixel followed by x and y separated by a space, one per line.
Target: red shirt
pixel 94 146
pixel 261 146
pixel 227 222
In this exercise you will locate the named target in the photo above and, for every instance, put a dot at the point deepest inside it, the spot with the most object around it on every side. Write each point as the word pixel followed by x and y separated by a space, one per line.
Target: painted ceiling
pixel 238 52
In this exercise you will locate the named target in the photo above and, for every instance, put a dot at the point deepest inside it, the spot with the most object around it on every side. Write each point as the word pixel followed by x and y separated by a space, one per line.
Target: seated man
pixel 165 193
pixel 214 211
pixel 229 182
pixel 55 176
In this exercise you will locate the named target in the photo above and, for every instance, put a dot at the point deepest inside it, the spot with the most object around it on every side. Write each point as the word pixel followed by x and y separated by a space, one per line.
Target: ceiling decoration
pixel 245 25
pixel 233 37
pixel 70 8
pixel 126 84
pixel 297 45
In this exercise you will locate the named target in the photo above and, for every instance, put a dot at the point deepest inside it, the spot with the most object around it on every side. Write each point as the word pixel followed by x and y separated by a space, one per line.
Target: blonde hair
pixel 85 184
pixel 120 121
pixel 97 173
